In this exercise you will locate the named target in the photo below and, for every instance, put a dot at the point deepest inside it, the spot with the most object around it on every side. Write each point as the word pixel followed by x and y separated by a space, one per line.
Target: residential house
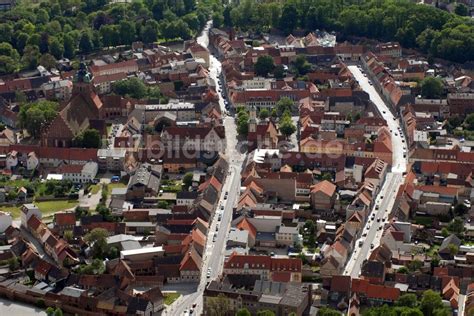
pixel 323 195
pixel 268 268
pixel 27 211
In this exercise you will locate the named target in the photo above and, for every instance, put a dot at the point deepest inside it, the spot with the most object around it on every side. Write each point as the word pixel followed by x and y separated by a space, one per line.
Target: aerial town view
pixel 237 157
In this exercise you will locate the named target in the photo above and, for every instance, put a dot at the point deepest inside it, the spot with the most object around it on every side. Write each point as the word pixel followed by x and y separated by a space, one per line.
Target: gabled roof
pixel 325 187
pixel 65 218
pixel 246 225
pixel 341 283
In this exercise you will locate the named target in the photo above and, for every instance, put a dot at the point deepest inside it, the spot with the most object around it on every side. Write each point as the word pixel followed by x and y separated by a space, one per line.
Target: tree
pixel 31 56
pixel 326 311
pixel 456 226
pixel 97 240
pixel 243 312
pixel 68 235
pixel 110 35
pixel 90 138
pixel 265 312
pixel 263 114
pixel 47 60
pixel 430 302
pixel 7 65
pixel 132 87
pixel 469 122
pixel 13 263
pixel 242 122
pixel 460 209
pixel 51 311
pixel 69 46
pixel 444 232
pixel 127 32
pixel 56 48
pixel 283 105
pixel 188 179
pixel 85 43
pixel 219 305
pixel 301 65
pixel 279 72
pixel 461 9
pixel 264 65
pixel 431 88
pixel 414 265
pixel 96 267
pixel 289 17
pixel 403 270
pixel 33 117
pixel 286 125
pixel 150 31
pixel 408 300
pixel 453 249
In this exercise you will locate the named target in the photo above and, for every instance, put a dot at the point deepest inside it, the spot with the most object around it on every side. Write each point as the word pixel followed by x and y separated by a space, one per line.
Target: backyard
pixel 171 297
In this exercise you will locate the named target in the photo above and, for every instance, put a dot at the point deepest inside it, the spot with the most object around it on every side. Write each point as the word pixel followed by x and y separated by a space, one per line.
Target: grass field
pixel 171 297
pixel 94 189
pixel 55 206
pixel 116 185
pixel 47 208
pixel 13 210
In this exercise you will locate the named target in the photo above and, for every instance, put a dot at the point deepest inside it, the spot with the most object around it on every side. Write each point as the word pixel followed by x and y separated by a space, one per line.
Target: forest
pixel 433 31
pixel 33 33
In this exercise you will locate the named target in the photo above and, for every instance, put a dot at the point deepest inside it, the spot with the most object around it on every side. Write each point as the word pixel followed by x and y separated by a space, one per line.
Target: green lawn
pixel 423 220
pixel 94 189
pixel 47 208
pixel 434 249
pixel 171 297
pixel 50 207
pixel 116 185
pixel 13 210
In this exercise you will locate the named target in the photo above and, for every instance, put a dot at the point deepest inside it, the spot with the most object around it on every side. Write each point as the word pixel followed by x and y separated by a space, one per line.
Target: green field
pixel 48 208
pixel 171 297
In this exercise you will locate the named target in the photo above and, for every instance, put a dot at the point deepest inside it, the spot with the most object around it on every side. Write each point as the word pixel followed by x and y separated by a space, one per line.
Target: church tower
pixel 253 119
pixel 82 83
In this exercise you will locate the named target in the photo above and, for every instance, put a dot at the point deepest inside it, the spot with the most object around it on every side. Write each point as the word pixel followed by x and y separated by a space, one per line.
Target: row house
pixel 199 138
pixel 60 90
pixel 126 67
pixel 52 157
pixel 268 268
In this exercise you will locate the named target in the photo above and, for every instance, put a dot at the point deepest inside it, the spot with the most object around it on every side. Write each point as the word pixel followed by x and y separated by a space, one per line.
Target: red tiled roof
pixel 292 264
pixel 109 78
pixel 281 276
pixel 124 64
pixel 341 283
pixel 33 222
pixel 437 189
pixel 360 285
pixel 70 169
pixel 246 225
pixel 215 183
pixel 239 261
pixel 43 267
pixel 382 292
pixel 325 187
pixel 65 218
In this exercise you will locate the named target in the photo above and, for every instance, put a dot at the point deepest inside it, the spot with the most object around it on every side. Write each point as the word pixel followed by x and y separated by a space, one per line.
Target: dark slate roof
pixel 373 269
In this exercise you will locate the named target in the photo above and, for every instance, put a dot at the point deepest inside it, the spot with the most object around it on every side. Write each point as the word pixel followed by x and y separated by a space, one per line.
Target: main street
pixel 215 250
pixel 387 195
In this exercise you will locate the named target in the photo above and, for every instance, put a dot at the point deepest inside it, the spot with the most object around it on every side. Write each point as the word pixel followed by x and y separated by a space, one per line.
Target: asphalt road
pixel 387 195
pixel 215 251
